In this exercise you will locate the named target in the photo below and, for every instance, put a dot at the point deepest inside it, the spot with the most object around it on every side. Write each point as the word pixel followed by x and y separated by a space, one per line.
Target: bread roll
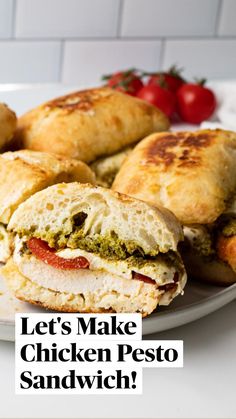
pixel 22 173
pixel 25 172
pixel 193 174
pixel 89 124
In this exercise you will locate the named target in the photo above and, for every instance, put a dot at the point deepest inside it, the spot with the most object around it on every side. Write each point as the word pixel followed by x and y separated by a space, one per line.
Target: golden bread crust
pixel 7 125
pixel 25 172
pixel 193 174
pixel 89 124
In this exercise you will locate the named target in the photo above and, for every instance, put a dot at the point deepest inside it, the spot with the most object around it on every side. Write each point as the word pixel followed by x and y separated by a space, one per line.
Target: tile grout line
pixel 13 20
pixel 217 22
pixel 162 52
pixel 121 39
pixel 61 59
pixel 119 21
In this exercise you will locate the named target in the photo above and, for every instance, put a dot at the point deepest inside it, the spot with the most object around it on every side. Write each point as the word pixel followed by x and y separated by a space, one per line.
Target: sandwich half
pixel 193 174
pixel 79 248
pixel 22 173
pixel 89 124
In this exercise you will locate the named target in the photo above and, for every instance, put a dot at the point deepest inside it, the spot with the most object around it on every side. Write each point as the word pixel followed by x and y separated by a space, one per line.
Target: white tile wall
pixel 228 18
pixel 66 18
pixel 215 58
pixel 6 12
pixel 169 18
pixel 87 61
pixel 79 40
pixel 27 62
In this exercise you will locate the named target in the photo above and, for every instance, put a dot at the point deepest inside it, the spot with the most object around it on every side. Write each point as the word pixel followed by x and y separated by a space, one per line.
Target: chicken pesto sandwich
pixel 193 174
pixel 24 172
pixel 80 248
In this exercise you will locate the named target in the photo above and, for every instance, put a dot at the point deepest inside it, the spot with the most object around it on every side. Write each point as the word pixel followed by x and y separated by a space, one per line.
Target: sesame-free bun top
pixel 7 125
pixel 24 172
pixel 89 124
pixel 107 213
pixel 193 174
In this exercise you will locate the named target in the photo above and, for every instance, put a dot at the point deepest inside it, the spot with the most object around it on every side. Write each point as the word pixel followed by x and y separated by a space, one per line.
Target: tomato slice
pixel 148 280
pixel 143 278
pixel 172 285
pixel 42 251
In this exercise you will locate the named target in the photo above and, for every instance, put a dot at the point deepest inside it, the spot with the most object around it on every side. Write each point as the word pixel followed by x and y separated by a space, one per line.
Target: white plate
pixel 199 299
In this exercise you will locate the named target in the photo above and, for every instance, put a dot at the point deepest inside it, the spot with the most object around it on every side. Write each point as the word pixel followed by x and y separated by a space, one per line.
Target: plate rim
pixel 205 300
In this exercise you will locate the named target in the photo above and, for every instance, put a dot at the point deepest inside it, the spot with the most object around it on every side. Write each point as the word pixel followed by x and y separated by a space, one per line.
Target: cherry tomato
pixel 42 251
pixel 171 79
pixel 159 97
pixel 172 83
pixel 195 103
pixel 125 81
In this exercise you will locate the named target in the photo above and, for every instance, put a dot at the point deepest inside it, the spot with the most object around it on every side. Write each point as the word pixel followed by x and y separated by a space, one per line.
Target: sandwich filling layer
pixel 164 273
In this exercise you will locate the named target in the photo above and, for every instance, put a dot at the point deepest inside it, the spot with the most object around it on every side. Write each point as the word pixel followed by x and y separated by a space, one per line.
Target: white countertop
pixel 204 388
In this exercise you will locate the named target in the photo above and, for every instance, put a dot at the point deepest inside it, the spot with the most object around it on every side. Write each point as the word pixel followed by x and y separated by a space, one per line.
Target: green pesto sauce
pixel 204 245
pixel 109 246
pixel 105 246
pixel 171 259
pixel 230 228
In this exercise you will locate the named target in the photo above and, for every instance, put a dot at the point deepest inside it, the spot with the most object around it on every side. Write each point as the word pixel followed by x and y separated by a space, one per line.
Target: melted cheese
pixel 157 270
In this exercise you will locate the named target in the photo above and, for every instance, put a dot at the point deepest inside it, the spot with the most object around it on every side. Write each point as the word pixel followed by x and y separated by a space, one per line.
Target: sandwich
pixel 7 125
pixel 22 173
pixel 89 124
pixel 193 174
pixel 79 248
